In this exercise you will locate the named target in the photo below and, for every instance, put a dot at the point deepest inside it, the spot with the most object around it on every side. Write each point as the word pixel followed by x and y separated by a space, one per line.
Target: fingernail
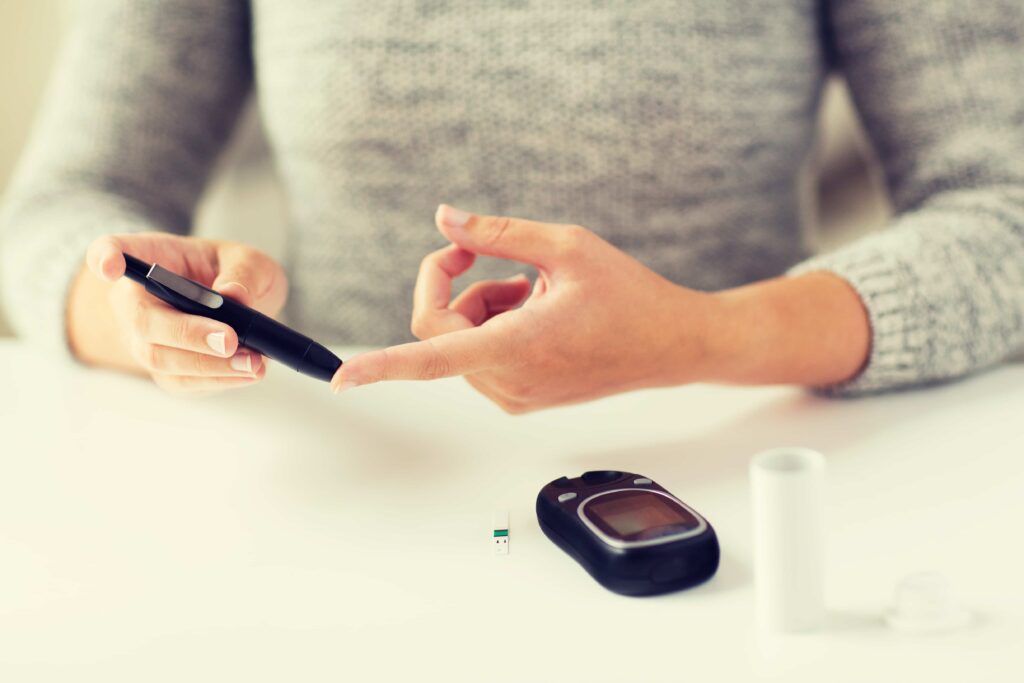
pixel 452 217
pixel 242 362
pixel 344 386
pixel 218 342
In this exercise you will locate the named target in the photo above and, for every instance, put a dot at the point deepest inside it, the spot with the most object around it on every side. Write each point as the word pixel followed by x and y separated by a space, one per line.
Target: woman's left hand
pixel 596 322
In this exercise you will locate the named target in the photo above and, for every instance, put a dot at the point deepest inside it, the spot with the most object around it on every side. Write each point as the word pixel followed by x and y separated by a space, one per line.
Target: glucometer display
pixel 636 515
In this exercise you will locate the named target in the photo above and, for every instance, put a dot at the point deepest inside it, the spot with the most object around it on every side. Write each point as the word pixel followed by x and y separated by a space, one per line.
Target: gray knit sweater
pixel 674 128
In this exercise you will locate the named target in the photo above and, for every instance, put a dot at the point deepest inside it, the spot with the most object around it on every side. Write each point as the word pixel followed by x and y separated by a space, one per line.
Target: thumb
pixel 250 277
pixel 105 254
pixel 540 244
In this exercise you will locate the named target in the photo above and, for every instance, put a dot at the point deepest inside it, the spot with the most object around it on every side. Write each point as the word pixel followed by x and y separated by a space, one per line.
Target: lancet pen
pixel 255 330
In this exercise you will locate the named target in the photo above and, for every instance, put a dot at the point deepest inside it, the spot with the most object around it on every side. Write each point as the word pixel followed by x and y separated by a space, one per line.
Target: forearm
pixel 811 330
pixel 140 103
pixel 943 283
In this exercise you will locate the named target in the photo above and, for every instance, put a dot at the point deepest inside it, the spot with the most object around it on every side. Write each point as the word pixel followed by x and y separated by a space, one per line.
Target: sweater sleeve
pixel 143 97
pixel 940 87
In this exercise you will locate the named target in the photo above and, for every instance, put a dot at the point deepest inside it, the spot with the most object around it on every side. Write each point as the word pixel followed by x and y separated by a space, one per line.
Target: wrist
pixel 692 337
pixel 812 329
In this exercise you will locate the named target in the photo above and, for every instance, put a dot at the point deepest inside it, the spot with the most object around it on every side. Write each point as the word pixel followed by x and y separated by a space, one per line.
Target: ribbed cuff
pixel 896 335
pixel 43 252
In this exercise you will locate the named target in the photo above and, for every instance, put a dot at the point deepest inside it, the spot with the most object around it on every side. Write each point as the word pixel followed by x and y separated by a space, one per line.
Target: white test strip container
pixel 789 538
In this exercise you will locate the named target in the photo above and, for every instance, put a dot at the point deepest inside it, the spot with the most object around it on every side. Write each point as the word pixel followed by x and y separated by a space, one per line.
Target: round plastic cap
pixel 924 603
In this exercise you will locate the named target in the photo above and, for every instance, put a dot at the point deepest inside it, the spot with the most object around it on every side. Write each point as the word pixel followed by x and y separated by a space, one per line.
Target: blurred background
pixel 841 187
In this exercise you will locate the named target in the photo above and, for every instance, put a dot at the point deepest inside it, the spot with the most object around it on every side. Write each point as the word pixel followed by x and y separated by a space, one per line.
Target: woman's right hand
pixel 114 322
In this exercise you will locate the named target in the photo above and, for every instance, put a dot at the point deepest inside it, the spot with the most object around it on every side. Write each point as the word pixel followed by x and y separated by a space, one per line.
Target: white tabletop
pixel 283 533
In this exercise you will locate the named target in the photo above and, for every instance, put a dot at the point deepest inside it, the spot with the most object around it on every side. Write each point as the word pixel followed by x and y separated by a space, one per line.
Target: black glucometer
pixel 629 533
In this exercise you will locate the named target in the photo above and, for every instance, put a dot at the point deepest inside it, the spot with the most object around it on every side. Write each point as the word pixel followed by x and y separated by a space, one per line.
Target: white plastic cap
pixel 924 603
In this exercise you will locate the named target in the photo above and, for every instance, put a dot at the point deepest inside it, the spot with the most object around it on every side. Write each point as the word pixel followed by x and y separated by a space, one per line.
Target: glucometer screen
pixel 639 515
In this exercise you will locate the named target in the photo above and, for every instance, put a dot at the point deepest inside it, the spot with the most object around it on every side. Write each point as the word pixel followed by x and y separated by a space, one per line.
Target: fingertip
pixel 343 386
pixel 464 258
pixel 104 258
pixel 349 375
pixel 230 342
pixel 223 341
pixel 112 265
pixel 449 217
pixel 342 382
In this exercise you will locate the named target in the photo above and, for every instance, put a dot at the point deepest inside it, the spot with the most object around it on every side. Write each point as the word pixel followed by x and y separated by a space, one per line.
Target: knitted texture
pixel 673 129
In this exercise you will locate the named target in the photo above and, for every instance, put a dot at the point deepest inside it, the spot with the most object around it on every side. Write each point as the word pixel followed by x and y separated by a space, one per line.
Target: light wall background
pixel 841 187
pixel 29 32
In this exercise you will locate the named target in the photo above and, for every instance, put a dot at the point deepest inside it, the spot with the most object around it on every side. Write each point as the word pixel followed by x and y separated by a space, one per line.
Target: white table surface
pixel 283 533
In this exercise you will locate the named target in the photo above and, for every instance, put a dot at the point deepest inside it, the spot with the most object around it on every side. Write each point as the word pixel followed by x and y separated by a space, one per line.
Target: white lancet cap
pixel 924 603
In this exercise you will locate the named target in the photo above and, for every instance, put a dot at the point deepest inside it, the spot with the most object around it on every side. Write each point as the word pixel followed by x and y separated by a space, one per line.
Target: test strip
pixel 499 537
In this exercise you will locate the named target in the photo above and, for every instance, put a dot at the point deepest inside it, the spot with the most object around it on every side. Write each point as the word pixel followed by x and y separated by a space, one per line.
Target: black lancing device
pixel 255 330
pixel 629 533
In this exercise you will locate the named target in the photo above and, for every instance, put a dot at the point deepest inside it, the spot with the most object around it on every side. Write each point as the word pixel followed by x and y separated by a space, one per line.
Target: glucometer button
pixel 600 476
pixel 642 481
pixel 562 482
pixel 566 497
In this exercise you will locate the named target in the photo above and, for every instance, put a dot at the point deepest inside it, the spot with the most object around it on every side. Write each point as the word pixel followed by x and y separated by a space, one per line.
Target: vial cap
pixel 924 603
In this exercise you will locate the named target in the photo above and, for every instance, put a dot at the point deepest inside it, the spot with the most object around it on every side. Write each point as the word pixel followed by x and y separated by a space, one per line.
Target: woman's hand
pixel 599 322
pixel 115 322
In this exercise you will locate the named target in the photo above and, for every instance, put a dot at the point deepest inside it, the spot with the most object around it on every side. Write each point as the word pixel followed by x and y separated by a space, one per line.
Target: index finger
pixel 457 353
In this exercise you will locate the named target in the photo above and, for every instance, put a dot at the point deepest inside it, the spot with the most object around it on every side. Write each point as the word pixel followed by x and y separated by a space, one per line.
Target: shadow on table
pixel 833 426
pixel 731 574
pixel 351 440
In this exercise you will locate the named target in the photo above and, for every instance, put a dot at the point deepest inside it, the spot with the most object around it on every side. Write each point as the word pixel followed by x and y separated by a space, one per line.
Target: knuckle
pixel 495 228
pixel 141 318
pixel 254 258
pixel 203 364
pixel 243 274
pixel 574 238
pixel 183 332
pixel 420 325
pixel 148 356
pixel 437 364
pixel 385 365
